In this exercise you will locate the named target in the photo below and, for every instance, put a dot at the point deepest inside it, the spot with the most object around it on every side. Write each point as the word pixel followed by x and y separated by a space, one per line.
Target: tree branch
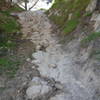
pixel 33 5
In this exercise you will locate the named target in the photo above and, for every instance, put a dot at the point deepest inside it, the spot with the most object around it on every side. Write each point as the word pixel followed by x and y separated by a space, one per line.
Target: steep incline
pixel 62 76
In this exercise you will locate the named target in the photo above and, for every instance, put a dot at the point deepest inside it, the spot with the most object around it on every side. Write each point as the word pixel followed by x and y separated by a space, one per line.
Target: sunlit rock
pixel 37 88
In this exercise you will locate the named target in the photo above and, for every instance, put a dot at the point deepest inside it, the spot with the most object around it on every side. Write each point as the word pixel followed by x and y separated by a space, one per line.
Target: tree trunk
pixel 25 5
pixel 33 5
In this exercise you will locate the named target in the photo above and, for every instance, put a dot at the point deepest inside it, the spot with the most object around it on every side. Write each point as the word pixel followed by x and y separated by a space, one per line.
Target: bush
pixel 8 23
pixel 9 26
pixel 8 66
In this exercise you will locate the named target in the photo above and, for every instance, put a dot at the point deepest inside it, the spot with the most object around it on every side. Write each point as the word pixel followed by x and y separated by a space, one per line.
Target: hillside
pixel 53 55
pixel 67 14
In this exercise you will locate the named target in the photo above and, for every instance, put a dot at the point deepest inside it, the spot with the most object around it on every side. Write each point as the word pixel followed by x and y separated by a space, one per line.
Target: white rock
pixel 92 5
pixel 33 91
pixel 96 18
pixel 59 86
pixel 38 47
pixel 59 97
pixel 28 59
pixel 33 67
pixel 37 87
pixel 52 65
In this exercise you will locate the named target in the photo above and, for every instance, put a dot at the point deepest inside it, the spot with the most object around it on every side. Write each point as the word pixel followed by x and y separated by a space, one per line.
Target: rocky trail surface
pixel 54 71
pixel 60 77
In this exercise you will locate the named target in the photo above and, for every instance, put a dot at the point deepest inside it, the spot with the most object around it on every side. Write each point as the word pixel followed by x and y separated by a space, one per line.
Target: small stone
pixel 14 14
pixel 59 86
pixel 33 67
pixel 28 59
pixel 70 16
pixel 33 91
pixel 35 62
pixel 24 83
pixel 38 48
pixel 52 65
pixel 45 43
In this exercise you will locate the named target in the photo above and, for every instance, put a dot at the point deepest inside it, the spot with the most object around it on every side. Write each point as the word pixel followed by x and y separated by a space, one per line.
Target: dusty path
pixel 60 75
pixel 54 71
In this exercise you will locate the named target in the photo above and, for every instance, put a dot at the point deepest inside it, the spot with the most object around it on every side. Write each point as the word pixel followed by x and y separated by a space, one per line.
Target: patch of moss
pixel 8 23
pixel 70 26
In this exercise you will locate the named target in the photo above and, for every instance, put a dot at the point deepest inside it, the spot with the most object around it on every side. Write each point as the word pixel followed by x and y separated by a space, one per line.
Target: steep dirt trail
pixel 60 74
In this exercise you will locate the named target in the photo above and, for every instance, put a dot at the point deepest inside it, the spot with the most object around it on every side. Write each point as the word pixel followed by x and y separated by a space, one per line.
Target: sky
pixel 40 5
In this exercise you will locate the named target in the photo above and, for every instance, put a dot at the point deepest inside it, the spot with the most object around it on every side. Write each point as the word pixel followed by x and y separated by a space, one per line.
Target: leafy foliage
pixel 8 24
pixel 8 66
pixel 9 27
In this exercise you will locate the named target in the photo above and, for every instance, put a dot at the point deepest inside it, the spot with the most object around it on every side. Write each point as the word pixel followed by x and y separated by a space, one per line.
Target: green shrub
pixel 8 66
pixel 8 23
pixel 9 26
pixel 6 43
pixel 70 26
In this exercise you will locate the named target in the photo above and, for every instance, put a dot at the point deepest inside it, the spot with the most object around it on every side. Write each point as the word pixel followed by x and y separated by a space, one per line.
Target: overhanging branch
pixel 33 5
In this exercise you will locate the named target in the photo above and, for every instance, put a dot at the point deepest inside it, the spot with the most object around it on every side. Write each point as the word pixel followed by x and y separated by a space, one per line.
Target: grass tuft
pixel 70 26
pixel 91 37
